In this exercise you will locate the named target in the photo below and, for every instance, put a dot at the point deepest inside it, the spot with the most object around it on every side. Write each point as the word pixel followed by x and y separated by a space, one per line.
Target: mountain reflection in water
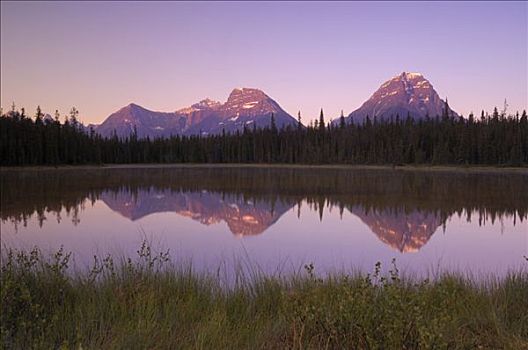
pixel 406 232
pixel 402 208
pixel 242 217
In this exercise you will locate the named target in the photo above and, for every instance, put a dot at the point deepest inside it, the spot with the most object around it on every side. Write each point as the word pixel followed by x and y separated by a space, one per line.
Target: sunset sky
pixel 100 56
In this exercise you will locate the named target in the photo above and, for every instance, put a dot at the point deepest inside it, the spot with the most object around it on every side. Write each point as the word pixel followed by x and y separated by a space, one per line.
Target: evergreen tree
pixel 342 123
pixel 445 112
pixel 74 115
pixel 38 114
pixel 273 125
pixel 321 121
pixel 299 124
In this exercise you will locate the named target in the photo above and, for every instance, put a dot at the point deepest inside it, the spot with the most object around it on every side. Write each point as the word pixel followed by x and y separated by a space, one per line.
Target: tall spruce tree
pixel 299 124
pixel 321 120
pixel 342 123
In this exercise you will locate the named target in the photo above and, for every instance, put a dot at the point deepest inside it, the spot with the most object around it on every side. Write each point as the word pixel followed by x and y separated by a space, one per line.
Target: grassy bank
pixel 152 303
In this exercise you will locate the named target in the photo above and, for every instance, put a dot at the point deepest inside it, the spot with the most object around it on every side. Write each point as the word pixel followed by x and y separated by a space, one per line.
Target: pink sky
pixel 100 56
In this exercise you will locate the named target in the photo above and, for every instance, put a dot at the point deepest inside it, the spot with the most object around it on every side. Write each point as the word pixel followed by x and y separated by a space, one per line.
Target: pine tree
pixel 74 114
pixel 273 125
pixel 342 123
pixel 495 115
pixel 445 112
pixel 38 114
pixel 321 121
pixel 299 124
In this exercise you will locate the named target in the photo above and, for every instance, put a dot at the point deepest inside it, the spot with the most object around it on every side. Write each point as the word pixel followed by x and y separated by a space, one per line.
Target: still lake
pixel 276 218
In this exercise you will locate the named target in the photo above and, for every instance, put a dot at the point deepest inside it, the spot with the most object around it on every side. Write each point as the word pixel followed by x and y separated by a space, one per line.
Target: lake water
pixel 275 218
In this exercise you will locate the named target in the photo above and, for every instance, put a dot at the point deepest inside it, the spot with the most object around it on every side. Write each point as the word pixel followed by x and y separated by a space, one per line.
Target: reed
pixel 150 302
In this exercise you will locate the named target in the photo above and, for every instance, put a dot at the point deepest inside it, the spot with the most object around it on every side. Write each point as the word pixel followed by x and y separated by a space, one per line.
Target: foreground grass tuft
pixel 151 303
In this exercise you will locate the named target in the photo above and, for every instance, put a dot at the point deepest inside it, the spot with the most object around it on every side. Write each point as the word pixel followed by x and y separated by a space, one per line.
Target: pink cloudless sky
pixel 100 56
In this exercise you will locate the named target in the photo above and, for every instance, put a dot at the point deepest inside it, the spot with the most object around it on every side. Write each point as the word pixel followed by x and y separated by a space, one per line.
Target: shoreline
pixel 428 168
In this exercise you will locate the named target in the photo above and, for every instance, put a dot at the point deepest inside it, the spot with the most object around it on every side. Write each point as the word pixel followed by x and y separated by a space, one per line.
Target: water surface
pixel 276 218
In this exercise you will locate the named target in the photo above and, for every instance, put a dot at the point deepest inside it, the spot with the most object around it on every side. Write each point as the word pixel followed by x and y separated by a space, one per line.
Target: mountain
pixel 244 107
pixel 405 94
pixel 146 122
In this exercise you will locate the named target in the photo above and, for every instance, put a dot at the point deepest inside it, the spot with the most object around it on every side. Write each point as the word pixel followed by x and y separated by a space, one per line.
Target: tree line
pixel 496 139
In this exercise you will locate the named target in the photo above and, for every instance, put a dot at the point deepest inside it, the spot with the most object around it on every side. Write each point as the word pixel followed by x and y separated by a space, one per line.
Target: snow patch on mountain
pixel 250 104
pixel 412 75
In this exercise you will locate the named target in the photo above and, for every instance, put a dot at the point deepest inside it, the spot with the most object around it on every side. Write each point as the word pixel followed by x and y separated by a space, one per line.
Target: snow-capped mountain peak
pixel 404 94
pixel 410 75
pixel 240 95
pixel 204 104
pixel 207 103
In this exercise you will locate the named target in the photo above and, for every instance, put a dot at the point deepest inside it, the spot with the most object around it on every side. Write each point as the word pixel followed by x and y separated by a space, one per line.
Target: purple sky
pixel 101 56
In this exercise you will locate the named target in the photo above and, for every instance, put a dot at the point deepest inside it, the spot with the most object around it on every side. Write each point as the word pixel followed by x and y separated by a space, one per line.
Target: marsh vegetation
pixel 150 302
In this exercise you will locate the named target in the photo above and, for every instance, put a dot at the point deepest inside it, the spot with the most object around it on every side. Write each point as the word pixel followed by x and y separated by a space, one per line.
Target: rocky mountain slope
pixel 244 107
pixel 405 94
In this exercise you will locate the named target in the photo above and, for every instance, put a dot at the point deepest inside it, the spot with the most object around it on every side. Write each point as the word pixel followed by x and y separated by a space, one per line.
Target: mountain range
pixel 244 107
pixel 407 94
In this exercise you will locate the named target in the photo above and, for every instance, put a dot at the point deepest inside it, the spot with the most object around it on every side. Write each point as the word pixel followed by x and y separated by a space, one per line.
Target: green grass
pixel 149 302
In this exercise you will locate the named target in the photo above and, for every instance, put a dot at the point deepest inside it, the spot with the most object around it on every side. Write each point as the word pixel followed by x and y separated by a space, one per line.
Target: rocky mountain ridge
pixel 245 107
pixel 407 94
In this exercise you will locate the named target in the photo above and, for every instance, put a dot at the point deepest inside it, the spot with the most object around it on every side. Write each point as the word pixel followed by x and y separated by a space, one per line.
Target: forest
pixel 493 139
